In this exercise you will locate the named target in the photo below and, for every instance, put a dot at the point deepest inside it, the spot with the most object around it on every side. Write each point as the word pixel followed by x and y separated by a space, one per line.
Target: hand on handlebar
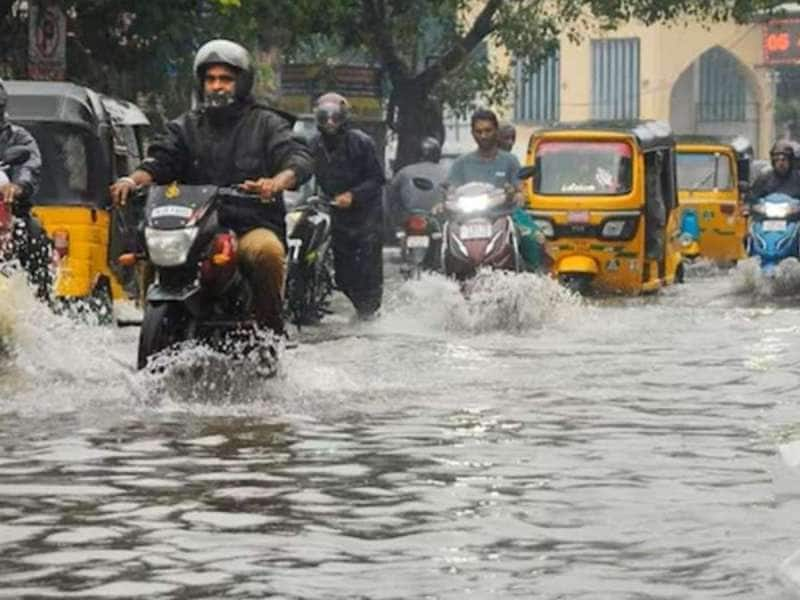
pixel 9 192
pixel 121 190
pixel 266 187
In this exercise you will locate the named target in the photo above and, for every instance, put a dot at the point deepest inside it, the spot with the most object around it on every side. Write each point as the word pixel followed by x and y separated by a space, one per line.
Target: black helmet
pixel 332 112
pixel 224 52
pixel 430 150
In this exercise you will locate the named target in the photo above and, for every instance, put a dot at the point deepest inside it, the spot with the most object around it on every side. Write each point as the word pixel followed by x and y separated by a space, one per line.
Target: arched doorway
pixel 716 95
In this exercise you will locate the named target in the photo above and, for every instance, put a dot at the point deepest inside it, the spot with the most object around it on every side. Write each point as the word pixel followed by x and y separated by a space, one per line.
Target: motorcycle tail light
pixel 416 224
pixel 61 242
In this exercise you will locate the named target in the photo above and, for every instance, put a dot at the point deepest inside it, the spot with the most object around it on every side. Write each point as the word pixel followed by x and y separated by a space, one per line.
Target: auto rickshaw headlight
pixel 169 247
pixel 618 229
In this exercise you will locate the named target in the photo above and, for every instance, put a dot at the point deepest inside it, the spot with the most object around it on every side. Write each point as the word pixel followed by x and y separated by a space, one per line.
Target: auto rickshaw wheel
pixel 578 283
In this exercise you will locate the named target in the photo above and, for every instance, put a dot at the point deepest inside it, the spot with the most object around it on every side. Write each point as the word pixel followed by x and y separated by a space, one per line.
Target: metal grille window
pixel 723 95
pixel 538 95
pixel 615 78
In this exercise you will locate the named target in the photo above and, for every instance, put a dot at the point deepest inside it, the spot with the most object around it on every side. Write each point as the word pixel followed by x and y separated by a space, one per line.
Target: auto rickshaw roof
pixel 740 144
pixel 123 112
pixel 648 134
pixel 52 101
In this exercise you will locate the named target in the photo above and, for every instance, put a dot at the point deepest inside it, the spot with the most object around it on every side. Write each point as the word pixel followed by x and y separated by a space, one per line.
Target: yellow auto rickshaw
pixel 712 175
pixel 604 194
pixel 87 140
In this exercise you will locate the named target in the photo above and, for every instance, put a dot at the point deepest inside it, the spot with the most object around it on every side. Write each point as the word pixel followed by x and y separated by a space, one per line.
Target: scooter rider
pixel 506 136
pixel 31 245
pixel 402 195
pixel 347 169
pixel 231 139
pixel 781 178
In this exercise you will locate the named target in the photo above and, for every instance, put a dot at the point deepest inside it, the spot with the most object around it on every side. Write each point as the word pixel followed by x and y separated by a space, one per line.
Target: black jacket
pixel 28 173
pixel 770 183
pixel 351 165
pixel 253 142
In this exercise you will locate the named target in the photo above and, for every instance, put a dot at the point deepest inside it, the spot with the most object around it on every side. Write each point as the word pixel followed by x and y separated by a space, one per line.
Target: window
pixel 723 93
pixel 704 171
pixel 615 79
pixel 583 168
pixel 538 94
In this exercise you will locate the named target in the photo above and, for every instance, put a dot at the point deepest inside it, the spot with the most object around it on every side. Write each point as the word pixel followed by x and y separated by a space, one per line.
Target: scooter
pixel 479 231
pixel 774 230
pixel 420 239
pixel 309 282
pixel 199 291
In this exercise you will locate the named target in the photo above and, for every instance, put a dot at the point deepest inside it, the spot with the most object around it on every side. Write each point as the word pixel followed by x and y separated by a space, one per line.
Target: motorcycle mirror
pixel 16 155
pixel 526 172
pixel 422 183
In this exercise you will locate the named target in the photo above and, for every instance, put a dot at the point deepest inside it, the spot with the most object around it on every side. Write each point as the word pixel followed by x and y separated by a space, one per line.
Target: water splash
pixel 492 301
pixel 749 279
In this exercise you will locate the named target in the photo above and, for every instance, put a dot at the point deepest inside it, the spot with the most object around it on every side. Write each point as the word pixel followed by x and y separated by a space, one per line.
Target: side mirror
pixel 526 172
pixel 16 155
pixel 423 183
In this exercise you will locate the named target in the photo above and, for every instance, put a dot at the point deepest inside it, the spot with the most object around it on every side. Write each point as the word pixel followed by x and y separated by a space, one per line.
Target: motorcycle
pixel 774 230
pixel 199 292
pixel 309 283
pixel 419 240
pixel 14 156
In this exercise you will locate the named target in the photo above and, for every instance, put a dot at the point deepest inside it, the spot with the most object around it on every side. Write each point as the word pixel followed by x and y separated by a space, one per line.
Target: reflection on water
pixel 641 448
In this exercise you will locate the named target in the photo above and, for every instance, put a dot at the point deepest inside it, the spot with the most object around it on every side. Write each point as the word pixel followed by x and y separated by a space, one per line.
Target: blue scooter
pixel 774 228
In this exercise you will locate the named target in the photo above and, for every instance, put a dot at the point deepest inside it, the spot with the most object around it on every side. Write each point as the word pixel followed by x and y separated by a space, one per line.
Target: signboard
pixel 301 84
pixel 47 41
pixel 781 42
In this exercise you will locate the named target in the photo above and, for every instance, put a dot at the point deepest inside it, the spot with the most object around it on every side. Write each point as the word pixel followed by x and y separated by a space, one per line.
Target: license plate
pixel 417 241
pixel 578 217
pixel 774 225
pixel 475 231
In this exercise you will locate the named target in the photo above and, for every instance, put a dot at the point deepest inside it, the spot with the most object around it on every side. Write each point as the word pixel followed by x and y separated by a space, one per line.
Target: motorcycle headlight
pixel 292 219
pixel 546 227
pixel 777 211
pixel 686 239
pixel 169 247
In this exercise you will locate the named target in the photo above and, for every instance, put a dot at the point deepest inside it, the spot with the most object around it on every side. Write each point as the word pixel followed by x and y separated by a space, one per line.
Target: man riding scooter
pixel 31 245
pixel 782 178
pixel 232 140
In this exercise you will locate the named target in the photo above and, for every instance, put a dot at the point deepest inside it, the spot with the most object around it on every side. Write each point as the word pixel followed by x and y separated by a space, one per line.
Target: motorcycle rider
pixel 403 196
pixel 782 178
pixel 506 136
pixel 31 244
pixel 231 139
pixel 347 169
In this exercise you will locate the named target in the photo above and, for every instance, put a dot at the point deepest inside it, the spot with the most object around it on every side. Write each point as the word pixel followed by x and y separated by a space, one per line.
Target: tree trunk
pixel 418 116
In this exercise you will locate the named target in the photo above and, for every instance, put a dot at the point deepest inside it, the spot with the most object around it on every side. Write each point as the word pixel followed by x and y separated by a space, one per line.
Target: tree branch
pixel 380 37
pixel 453 58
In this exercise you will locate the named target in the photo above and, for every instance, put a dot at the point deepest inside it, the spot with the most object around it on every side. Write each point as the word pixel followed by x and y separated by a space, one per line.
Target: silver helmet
pixel 225 52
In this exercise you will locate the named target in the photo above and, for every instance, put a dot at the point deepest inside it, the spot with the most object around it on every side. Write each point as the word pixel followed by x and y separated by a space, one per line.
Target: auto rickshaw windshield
pixel 589 168
pixel 67 156
pixel 704 171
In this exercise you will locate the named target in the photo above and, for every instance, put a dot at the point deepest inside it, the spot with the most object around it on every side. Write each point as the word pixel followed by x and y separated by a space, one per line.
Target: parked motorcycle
pixel 774 230
pixel 199 290
pixel 420 240
pixel 309 282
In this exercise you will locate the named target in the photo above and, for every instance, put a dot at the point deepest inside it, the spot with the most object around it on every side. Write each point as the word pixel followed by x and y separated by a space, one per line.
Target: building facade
pixel 706 79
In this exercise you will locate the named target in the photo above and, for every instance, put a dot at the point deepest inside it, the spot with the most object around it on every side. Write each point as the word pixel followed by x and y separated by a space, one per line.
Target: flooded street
pixel 525 444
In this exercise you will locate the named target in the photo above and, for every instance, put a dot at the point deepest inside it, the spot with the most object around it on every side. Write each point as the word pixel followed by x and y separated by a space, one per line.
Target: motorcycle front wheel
pixel 161 325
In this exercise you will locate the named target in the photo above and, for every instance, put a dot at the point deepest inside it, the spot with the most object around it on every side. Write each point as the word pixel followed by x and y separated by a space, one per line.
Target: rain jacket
pixel 28 173
pixel 770 183
pixel 252 142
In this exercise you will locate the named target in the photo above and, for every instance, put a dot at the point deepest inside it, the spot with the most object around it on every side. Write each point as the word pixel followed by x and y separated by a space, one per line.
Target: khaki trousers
pixel 263 262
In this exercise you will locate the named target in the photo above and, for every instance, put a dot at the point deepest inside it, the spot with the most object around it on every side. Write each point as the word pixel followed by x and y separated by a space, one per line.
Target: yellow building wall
pixel 666 52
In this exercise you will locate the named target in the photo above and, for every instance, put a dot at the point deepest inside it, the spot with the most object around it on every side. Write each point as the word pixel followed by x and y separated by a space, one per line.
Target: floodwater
pixel 523 444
